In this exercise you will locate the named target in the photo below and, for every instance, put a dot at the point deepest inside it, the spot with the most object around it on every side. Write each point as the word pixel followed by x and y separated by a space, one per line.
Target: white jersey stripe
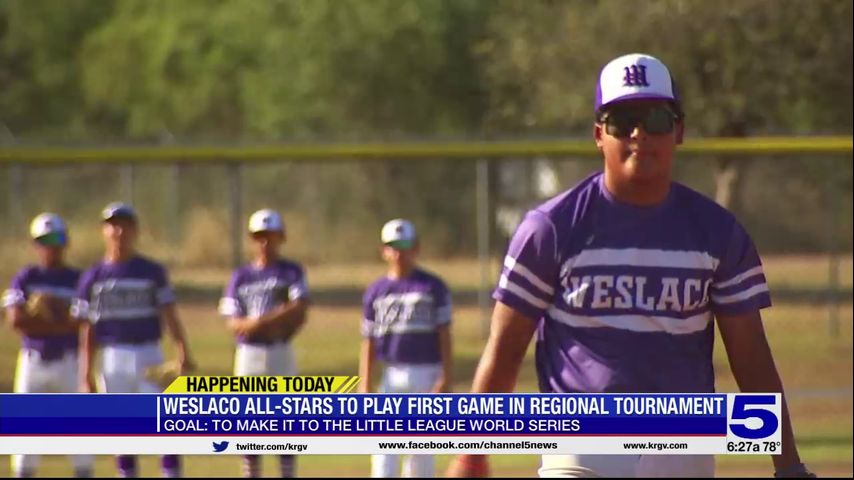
pixel 79 308
pixel 379 330
pixel 366 328
pixel 739 278
pixel 13 297
pixel 297 290
pixel 133 313
pixel 642 257
pixel 528 275
pixel 521 292
pixel 229 307
pixel 740 296
pixel 123 283
pixel 635 323
pixel 408 298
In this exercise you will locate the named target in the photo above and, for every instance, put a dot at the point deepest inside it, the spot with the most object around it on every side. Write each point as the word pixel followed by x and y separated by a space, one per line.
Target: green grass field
pixel 816 366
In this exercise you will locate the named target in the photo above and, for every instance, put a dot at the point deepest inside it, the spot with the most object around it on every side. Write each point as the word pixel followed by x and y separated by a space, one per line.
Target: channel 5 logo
pixel 753 417
pixel 220 446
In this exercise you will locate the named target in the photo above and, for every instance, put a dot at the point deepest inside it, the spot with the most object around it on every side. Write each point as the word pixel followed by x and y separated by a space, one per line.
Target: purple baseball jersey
pixel 624 295
pixel 255 291
pixel 58 282
pixel 123 300
pixel 403 317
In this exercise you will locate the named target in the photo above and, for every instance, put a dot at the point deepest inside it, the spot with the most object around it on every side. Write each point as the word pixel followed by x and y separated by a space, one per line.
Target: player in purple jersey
pixel 621 278
pixel 122 303
pixel 406 325
pixel 266 303
pixel 47 362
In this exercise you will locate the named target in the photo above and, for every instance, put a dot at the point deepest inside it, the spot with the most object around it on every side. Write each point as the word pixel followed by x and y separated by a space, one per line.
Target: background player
pixel 47 362
pixel 622 277
pixel 122 302
pixel 266 303
pixel 407 326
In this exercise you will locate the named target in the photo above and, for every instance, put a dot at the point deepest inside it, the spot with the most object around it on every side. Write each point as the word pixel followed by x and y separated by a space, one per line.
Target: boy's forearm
pixel 366 365
pixel 173 325
pixel 510 334
pixel 754 370
pixel 759 374
pixel 445 350
pixel 178 335
pixel 87 347
pixel 176 331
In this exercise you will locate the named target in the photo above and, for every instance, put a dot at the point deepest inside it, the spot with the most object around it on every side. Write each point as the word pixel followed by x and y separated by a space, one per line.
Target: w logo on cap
pixel 635 76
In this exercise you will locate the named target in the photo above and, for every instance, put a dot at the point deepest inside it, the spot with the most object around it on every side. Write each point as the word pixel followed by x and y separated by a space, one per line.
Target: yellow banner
pixel 263 384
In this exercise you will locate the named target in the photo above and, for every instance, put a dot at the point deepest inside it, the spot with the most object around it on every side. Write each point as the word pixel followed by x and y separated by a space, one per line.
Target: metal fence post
pixel 833 260
pixel 15 177
pixel 483 240
pixel 235 184
pixel 16 192
pixel 127 181
pixel 176 173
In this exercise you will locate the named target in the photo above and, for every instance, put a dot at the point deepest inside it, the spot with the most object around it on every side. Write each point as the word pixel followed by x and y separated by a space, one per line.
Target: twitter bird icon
pixel 220 446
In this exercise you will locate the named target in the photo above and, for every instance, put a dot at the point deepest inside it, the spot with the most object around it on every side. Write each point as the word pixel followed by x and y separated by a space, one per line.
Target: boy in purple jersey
pixel 406 325
pixel 47 362
pixel 622 276
pixel 266 303
pixel 122 303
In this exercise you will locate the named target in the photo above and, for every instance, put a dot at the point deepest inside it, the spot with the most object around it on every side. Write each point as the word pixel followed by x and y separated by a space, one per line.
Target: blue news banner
pixel 389 423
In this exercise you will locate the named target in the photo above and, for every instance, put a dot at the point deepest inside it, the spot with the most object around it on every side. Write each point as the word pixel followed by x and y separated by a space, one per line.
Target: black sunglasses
pixel 621 122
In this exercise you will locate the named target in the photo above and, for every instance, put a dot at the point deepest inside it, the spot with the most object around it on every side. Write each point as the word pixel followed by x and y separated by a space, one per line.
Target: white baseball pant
pixel 123 367
pixel 35 375
pixel 274 359
pixel 627 466
pixel 402 378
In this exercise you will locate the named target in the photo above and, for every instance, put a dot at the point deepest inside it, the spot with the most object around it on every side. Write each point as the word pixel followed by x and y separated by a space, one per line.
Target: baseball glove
pixel 163 374
pixel 47 308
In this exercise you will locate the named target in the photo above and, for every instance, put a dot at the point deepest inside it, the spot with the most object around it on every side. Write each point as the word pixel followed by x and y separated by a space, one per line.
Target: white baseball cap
pixel 399 230
pixel 266 220
pixel 49 224
pixel 635 76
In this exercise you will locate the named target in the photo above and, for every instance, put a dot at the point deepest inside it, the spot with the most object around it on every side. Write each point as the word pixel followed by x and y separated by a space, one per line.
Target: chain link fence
pixel 798 208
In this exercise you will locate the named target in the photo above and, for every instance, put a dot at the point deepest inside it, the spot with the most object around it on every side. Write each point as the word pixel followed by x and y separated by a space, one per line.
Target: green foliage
pixel 304 69
pixel 39 64
pixel 743 66
pixel 364 69
pixel 231 69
